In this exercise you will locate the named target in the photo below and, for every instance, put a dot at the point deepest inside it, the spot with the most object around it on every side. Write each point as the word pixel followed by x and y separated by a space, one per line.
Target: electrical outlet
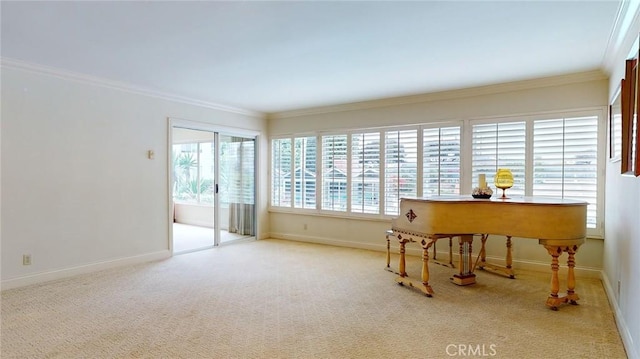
pixel 26 259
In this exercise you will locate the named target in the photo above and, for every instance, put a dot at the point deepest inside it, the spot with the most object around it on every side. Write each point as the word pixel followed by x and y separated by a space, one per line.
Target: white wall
pixel 564 93
pixel 622 219
pixel 78 190
pixel 575 91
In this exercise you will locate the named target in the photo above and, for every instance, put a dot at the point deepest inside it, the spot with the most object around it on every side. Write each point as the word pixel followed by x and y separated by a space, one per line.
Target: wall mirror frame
pixel 634 127
pixel 630 106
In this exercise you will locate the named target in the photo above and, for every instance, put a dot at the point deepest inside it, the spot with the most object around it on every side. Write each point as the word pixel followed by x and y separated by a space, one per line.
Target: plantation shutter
pixel 304 174
pixel 441 161
pixel 334 172
pixel 565 155
pixel 280 171
pixel 401 168
pixel 499 145
pixel 365 172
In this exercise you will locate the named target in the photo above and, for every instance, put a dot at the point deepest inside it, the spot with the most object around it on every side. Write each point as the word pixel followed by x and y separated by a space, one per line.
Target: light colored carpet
pixel 281 299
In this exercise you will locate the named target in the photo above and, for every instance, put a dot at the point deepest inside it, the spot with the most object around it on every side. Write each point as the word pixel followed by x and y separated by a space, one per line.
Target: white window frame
pixel 600 113
pixel 466 180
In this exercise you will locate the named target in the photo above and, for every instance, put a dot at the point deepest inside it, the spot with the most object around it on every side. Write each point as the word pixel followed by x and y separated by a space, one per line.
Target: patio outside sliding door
pixel 193 177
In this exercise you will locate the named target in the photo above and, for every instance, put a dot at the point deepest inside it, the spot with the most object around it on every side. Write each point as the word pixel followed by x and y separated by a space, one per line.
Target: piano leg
pixel 507 269
pixel 483 252
pixel 572 297
pixel 509 259
pixel 402 262
pixel 466 276
pixel 554 299
pixel 403 278
pixel 451 251
pixel 434 258
pixel 388 236
pixel 426 288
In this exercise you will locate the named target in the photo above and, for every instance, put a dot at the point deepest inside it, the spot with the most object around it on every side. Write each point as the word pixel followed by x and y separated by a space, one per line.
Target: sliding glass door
pixel 236 186
pixel 212 188
pixel 193 189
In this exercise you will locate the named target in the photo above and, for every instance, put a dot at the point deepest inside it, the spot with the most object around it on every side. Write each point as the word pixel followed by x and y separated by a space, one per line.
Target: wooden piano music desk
pixel 558 224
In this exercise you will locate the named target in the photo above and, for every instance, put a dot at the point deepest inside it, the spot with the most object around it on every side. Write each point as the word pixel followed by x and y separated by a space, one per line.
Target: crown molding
pixel 621 37
pixel 394 101
pixel 587 76
pixel 10 63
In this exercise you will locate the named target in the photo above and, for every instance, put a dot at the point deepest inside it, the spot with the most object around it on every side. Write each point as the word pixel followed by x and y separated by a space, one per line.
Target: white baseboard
pixel 330 241
pixel 83 269
pixel 537 266
pixel 623 329
pixel 586 272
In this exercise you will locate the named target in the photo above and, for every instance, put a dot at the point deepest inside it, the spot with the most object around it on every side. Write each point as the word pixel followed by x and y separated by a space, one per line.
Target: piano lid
pixel 512 199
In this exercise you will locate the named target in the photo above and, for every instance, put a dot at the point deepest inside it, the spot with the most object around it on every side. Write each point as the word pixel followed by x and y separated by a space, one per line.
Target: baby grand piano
pixel 558 224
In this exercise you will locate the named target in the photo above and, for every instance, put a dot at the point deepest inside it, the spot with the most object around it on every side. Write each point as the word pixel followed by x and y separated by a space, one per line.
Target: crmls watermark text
pixel 471 350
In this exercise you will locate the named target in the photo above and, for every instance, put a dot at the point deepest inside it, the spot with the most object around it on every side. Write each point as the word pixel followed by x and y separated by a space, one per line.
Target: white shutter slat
pixel 401 163
pixel 365 172
pixel 499 145
pixel 441 161
pixel 281 172
pixel 304 172
pixel 334 172
pixel 565 160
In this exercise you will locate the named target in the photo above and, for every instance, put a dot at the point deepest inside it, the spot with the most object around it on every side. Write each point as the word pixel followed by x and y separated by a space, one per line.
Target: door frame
pixel 216 130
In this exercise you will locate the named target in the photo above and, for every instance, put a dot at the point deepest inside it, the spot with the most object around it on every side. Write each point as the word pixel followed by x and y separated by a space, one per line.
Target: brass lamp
pixel 503 180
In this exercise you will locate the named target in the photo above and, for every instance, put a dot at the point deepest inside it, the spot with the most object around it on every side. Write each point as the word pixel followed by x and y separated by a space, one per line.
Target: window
pixel 616 135
pixel 281 172
pixel 558 159
pixel 400 168
pixel 441 161
pixel 305 172
pixel 498 145
pixel 565 158
pixel 367 171
pixel 334 172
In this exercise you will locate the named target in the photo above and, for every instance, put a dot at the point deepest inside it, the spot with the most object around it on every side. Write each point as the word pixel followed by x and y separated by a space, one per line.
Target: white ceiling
pixel 276 56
